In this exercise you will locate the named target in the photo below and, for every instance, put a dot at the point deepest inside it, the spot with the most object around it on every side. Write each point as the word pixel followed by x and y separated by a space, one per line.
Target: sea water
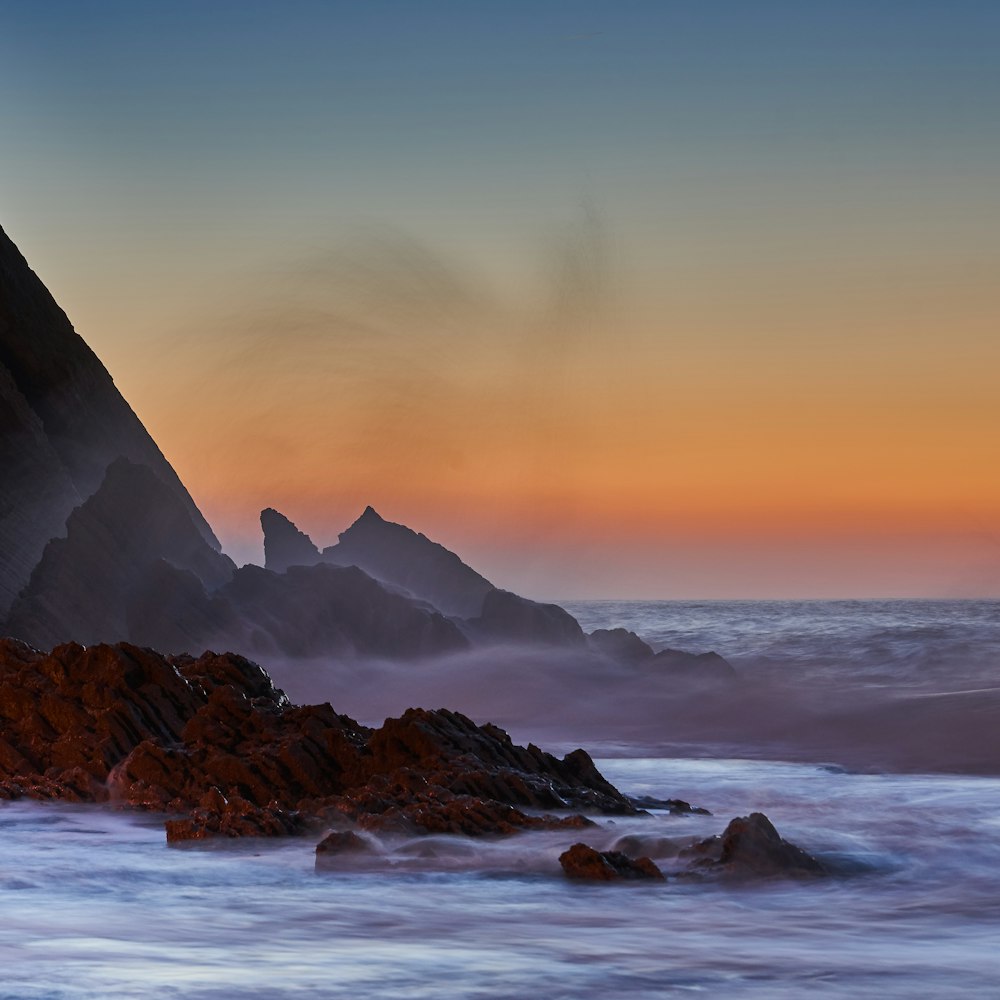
pixel 93 904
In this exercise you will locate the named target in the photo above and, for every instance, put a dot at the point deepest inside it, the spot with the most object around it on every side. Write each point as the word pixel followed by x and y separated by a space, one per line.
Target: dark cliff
pixel 62 423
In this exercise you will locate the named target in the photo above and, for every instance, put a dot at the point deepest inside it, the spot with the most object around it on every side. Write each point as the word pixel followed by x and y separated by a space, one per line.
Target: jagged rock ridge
pixel 390 552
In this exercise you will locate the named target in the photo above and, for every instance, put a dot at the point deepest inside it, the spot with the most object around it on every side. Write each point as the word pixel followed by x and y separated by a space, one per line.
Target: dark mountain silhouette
pixel 62 423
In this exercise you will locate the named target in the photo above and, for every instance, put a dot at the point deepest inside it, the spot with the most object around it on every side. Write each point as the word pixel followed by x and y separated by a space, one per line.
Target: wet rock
pixel 676 807
pixel 750 845
pixel 584 862
pixel 342 842
pixel 644 845
pixel 219 816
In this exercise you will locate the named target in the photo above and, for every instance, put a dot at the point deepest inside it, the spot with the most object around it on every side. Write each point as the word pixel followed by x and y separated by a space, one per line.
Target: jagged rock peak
pixel 284 544
pixel 407 559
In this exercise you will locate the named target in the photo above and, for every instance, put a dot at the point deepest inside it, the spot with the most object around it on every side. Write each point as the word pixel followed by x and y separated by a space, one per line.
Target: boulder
pixel 584 862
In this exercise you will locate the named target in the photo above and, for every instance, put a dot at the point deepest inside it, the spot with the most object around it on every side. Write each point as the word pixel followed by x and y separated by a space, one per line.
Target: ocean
pixel 93 904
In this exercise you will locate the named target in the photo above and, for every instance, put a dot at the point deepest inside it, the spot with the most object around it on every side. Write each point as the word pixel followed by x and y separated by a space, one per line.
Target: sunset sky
pixel 649 299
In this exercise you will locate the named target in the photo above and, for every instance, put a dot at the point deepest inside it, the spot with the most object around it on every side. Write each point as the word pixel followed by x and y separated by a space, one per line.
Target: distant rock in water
pixel 703 668
pixel 619 644
pixel 86 583
pixel 750 845
pixel 284 544
pixel 62 423
pixel 509 618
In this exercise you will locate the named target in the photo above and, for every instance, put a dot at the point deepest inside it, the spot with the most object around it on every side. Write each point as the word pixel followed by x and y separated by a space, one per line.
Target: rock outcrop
pixel 62 423
pixel 212 739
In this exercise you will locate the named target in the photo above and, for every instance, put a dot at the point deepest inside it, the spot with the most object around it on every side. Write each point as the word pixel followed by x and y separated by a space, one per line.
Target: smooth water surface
pixel 94 904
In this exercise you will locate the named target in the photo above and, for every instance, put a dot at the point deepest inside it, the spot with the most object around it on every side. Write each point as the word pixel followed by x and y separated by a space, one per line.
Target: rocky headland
pixel 106 561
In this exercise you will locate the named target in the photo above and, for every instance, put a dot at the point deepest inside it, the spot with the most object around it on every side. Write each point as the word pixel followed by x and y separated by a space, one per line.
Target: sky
pixel 626 300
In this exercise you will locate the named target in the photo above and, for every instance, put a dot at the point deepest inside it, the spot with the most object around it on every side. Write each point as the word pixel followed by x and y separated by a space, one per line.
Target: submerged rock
pixel 698 668
pixel 584 862
pixel 342 842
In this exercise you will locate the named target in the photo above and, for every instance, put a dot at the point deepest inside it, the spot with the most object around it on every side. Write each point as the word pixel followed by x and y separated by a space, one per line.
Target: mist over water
pixel 901 685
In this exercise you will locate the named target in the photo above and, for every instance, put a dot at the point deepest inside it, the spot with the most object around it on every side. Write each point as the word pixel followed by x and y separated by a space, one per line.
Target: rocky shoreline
pixel 214 745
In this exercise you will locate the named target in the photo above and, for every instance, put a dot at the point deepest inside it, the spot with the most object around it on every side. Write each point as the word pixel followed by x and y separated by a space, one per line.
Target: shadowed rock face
pixel 391 553
pixel 87 584
pixel 62 423
pixel 212 737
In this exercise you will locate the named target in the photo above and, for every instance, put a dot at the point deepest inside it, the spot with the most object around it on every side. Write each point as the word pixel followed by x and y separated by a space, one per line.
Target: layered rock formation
pixel 212 737
pixel 62 423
